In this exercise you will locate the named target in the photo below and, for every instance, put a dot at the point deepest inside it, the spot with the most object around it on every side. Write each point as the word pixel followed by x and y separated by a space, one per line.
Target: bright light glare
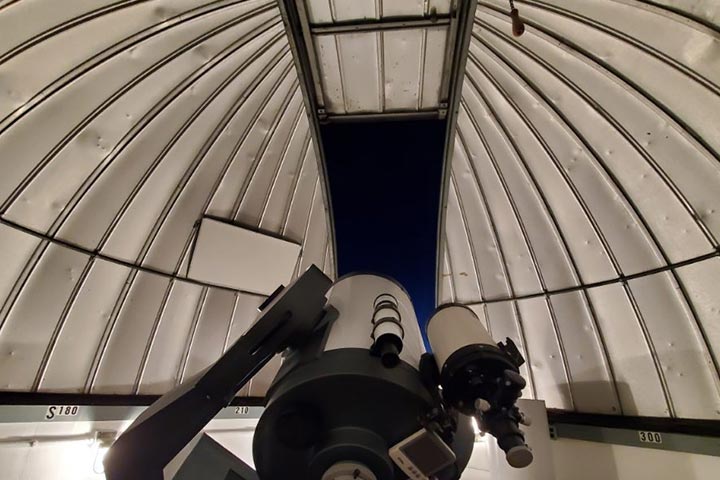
pixel 476 429
pixel 98 466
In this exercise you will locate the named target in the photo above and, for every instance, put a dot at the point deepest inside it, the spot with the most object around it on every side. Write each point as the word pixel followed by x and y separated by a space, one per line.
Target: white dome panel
pixel 589 150
pixel 122 125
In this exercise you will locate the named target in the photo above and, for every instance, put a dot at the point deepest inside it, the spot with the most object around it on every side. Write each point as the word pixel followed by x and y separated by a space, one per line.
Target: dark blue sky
pixel 385 189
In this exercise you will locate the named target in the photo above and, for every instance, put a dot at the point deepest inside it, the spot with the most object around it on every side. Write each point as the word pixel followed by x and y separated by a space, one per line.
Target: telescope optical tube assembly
pixel 480 378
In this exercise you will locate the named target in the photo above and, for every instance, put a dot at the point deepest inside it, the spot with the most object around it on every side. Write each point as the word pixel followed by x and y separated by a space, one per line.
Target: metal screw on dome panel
pixel 525 420
pixel 482 405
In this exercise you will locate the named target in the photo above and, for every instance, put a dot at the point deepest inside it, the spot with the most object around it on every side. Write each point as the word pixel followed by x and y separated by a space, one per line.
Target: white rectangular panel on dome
pixel 236 257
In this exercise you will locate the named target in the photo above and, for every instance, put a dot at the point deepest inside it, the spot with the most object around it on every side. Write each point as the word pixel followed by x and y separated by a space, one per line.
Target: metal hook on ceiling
pixel 518 26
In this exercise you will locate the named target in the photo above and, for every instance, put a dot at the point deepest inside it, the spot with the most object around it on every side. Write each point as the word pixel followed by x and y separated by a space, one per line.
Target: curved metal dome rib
pixel 583 213
pixel 122 124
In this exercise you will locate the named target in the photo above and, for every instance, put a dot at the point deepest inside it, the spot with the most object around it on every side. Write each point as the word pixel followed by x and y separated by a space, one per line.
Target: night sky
pixel 385 189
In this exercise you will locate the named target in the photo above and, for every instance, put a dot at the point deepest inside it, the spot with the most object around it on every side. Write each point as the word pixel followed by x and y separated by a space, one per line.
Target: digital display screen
pixel 427 454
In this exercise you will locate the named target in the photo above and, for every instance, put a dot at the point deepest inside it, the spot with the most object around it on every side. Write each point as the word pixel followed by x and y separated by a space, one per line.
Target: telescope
pixel 357 396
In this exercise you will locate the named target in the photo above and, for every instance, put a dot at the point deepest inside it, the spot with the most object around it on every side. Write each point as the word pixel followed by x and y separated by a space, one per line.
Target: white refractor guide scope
pixel 480 378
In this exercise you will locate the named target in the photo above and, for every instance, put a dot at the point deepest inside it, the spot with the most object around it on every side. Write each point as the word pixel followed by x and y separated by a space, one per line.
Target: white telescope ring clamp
pixel 388 333
pixel 386 311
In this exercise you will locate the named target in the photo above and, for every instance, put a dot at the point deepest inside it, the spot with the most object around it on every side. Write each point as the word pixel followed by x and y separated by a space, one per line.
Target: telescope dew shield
pixel 452 328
